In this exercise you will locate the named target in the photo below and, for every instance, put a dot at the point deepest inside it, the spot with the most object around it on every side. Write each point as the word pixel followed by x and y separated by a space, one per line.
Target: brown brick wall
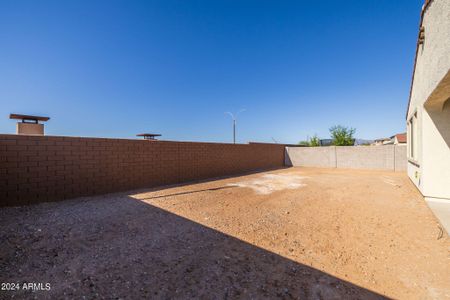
pixel 48 168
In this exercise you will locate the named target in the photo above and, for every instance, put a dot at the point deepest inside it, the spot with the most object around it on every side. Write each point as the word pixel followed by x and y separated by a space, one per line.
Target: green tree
pixel 342 136
pixel 314 141
pixel 303 143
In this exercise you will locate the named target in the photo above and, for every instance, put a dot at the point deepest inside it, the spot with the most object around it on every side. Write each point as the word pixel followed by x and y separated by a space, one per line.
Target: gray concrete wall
pixel 365 157
pixel 389 157
pixel 324 157
pixel 401 161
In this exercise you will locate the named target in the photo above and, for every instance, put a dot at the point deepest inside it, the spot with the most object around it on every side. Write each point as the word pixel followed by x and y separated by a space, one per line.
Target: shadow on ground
pixel 108 247
pixel 205 180
pixel 188 192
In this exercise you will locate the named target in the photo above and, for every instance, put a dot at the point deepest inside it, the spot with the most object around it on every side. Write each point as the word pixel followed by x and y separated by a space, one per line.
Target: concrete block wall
pixel 401 161
pixel 36 169
pixel 389 157
pixel 324 157
pixel 365 157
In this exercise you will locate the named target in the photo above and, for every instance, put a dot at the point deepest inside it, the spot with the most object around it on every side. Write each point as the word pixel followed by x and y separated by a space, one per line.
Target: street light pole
pixel 234 123
pixel 234 131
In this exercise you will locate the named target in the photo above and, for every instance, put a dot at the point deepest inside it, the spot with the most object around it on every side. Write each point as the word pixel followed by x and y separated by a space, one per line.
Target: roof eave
pixel 424 9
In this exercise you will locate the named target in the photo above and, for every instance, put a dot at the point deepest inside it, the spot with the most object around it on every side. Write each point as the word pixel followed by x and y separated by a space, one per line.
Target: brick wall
pixel 46 168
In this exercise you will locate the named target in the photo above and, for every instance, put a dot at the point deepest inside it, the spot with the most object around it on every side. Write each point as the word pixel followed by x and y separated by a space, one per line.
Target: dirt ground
pixel 301 233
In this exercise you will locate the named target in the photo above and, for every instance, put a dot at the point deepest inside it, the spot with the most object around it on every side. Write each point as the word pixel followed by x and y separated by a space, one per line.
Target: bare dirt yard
pixel 301 233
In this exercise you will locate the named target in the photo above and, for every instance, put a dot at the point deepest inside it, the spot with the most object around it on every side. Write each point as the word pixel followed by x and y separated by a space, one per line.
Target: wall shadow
pixel 199 181
pixel 441 119
pixel 287 158
pixel 190 192
pixel 119 247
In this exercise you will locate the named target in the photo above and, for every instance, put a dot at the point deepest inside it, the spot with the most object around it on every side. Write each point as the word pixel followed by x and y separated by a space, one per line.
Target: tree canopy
pixel 342 136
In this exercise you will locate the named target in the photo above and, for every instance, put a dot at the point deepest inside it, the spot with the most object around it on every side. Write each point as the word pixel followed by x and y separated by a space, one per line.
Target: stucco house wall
pixel 429 169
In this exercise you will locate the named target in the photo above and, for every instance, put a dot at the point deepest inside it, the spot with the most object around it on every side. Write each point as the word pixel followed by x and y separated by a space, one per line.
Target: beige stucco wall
pixel 436 153
pixel 433 57
pixel 431 172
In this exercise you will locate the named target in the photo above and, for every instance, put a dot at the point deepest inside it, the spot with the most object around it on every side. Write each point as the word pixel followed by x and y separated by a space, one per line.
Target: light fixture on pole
pixel 233 117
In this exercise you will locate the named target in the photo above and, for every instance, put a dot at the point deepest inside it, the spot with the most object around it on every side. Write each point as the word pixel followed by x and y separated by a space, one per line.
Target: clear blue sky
pixel 117 68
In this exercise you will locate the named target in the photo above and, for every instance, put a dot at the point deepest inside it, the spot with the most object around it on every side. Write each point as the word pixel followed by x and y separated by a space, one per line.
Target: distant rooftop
pixel 401 137
pixel 382 139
